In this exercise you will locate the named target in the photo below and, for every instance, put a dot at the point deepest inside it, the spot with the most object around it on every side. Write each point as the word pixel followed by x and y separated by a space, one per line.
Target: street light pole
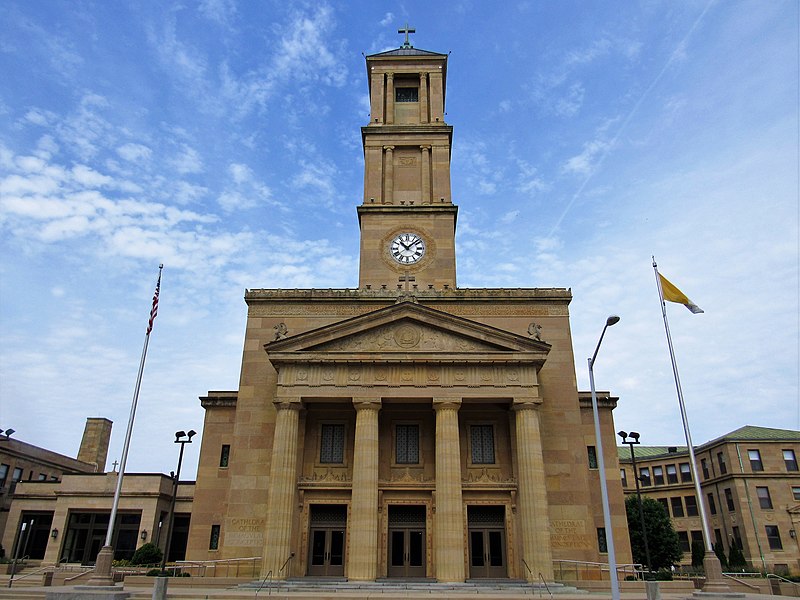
pixel 633 441
pixel 612 558
pixel 179 439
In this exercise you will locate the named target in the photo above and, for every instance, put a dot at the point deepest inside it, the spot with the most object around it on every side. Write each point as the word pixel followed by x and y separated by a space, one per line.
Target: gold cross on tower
pixel 407 31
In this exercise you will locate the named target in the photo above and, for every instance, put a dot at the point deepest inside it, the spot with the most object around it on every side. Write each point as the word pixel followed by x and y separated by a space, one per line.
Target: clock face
pixel 407 248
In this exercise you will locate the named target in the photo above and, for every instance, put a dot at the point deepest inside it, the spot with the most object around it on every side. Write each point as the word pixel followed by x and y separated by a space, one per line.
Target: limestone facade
pixel 408 427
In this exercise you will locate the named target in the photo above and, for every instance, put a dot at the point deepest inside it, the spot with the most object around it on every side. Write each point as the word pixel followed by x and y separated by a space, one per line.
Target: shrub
pixel 148 554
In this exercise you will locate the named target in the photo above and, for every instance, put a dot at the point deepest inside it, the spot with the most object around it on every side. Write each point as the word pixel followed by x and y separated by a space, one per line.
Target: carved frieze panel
pixel 405 337
pixel 392 375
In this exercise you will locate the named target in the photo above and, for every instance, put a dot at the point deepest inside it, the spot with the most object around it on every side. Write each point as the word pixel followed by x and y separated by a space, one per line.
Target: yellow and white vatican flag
pixel 667 291
pixel 670 292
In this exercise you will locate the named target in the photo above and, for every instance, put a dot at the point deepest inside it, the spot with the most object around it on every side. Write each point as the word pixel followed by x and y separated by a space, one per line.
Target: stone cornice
pixel 348 295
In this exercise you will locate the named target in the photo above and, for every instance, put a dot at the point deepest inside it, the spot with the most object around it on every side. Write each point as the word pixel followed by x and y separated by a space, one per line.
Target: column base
pixel 101 576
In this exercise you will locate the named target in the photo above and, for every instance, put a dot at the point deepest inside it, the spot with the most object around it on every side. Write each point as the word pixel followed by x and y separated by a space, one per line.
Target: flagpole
pixel 714 580
pixel 102 576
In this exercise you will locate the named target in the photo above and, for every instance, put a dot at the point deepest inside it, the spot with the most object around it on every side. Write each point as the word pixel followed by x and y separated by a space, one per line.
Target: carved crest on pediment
pixel 405 336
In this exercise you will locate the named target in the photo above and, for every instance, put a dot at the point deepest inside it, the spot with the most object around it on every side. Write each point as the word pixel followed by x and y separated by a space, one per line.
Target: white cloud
pixel 134 152
pixel 186 161
pixel 387 19
pixel 586 162
pixel 219 11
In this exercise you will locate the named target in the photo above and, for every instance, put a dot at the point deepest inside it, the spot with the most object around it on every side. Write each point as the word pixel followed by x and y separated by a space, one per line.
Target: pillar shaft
pixel 449 522
pixel 426 174
pixel 532 502
pixel 423 97
pixel 282 486
pixel 388 177
pixel 363 558
pixel 389 98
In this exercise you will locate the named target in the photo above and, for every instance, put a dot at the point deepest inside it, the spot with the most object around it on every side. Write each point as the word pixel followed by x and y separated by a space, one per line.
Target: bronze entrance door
pixel 487 541
pixel 327 540
pixel 406 541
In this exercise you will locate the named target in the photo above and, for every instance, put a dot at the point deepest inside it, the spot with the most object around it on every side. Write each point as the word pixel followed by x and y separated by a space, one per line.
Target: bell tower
pixel 407 217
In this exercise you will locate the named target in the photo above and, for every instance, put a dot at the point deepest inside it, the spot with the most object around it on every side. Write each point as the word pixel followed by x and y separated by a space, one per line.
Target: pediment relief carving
pixel 406 336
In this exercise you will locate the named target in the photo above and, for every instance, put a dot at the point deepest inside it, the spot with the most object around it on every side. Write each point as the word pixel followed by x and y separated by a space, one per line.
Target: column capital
pixel 288 404
pixel 446 403
pixel 367 404
pixel 526 403
pixel 388 148
pixel 390 74
pixel 425 147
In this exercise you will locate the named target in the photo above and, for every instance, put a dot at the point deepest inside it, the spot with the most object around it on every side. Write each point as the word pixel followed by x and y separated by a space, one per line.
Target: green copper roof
pixel 748 433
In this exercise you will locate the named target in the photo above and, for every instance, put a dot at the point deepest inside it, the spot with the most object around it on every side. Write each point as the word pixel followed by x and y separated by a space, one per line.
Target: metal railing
pixel 241 567
pixel 784 580
pixel 578 570
pixel 524 562
pixel 268 577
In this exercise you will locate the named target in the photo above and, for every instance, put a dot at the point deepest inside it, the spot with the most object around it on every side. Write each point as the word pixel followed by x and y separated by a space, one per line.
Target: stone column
pixel 282 489
pixel 449 522
pixel 388 175
pixel 426 174
pixel 389 98
pixel 532 494
pixel 423 97
pixel 376 101
pixel 362 564
pixel 437 97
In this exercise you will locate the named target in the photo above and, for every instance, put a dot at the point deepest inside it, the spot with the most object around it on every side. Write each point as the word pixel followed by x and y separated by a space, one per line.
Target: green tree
pixel 736 558
pixel 719 550
pixel 662 540
pixel 698 554
pixel 147 554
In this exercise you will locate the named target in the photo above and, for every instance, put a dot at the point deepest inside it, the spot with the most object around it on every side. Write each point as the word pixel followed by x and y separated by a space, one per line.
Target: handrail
pixel 779 578
pixel 744 583
pixel 263 581
pixel 286 562
pixel 204 564
pixel 79 575
pixel 545 585
pixel 624 568
pixel 36 572
pixel 14 567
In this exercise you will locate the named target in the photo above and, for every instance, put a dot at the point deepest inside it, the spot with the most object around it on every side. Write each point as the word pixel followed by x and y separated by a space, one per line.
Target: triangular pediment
pixel 408 328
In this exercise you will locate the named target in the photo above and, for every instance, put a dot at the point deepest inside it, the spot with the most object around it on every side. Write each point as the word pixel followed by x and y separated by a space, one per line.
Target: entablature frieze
pixel 418 374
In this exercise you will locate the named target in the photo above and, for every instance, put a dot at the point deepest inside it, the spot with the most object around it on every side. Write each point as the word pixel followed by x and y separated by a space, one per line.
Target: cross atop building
pixel 406 30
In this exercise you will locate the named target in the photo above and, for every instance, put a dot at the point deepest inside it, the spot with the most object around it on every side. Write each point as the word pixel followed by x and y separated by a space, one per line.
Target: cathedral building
pixel 407 427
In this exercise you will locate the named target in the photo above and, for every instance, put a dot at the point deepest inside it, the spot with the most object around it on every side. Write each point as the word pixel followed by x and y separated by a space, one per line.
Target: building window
pixel 658 475
pixel 774 537
pixel 602 542
pixel 42 476
pixel 764 499
pixel 755 460
pixel 677 506
pixel 331 449
pixel 686 472
pixel 704 467
pixel 224 455
pixel 665 503
pixel 591 451
pixel 17 475
pixel 790 460
pixel 712 506
pixel 729 500
pixel 624 477
pixel 644 476
pixel 482 437
pixel 683 539
pixel 691 506
pixel 672 474
pixel 718 536
pixel 723 467
pixel 796 492
pixel 737 537
pixel 697 536
pixel 213 541
pixel 406 444
pixel 406 94
pixel 3 474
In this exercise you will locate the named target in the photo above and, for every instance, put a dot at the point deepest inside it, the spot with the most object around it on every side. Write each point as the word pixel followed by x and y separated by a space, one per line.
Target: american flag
pixel 154 310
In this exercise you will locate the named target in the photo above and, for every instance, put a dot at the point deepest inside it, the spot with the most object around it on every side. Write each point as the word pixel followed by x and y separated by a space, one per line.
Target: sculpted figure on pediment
pixel 404 337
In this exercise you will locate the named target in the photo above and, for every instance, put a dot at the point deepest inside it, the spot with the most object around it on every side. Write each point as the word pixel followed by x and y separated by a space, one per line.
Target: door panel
pixel 326 552
pixel 406 552
pixel 487 553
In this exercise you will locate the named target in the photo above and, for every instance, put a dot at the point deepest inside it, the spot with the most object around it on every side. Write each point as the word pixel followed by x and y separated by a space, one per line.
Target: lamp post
pixel 634 439
pixel 181 438
pixel 612 558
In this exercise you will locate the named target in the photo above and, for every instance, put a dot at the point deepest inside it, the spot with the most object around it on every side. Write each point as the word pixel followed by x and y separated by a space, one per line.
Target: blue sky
pixel 222 138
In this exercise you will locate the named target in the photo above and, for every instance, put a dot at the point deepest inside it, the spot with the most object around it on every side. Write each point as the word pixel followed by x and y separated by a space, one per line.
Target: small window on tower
pixel 406 94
